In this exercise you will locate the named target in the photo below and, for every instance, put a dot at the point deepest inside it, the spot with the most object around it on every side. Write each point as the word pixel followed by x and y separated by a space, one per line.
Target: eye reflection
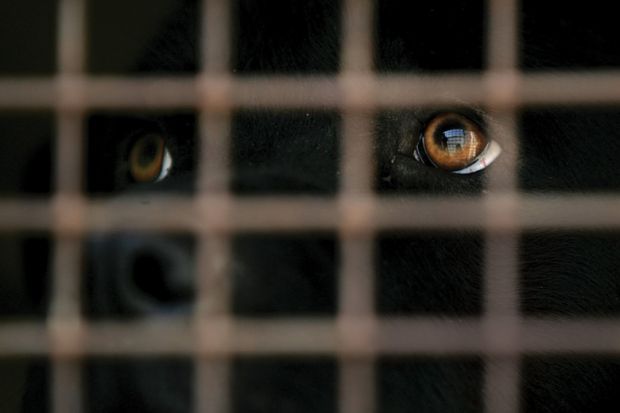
pixel 457 141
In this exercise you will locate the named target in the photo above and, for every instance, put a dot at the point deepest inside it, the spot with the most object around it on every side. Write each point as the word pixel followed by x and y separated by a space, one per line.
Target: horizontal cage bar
pixel 346 91
pixel 276 214
pixel 222 337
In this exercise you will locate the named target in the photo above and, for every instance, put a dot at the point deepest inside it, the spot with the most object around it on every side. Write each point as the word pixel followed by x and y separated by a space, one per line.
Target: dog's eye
pixel 149 159
pixel 455 143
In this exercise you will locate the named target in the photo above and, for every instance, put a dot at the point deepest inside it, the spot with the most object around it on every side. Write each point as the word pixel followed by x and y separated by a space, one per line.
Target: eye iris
pixel 146 158
pixel 453 142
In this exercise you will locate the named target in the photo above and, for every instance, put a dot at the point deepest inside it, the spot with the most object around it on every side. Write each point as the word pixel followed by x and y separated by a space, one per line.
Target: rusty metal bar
pixel 502 35
pixel 501 318
pixel 321 92
pixel 286 214
pixel 66 399
pixel 215 41
pixel 356 273
pixel 64 316
pixel 395 336
pixel 356 301
pixel 71 36
pixel 213 285
pixel 357 384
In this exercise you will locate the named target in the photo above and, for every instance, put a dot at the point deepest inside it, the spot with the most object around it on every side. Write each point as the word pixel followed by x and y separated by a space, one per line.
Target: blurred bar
pixel 383 91
pixel 395 336
pixel 64 313
pixel 502 382
pixel 295 214
pixel 357 165
pixel 211 380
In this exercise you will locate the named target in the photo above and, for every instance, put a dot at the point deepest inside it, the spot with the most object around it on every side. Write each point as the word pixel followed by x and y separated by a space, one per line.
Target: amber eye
pixel 149 159
pixel 453 142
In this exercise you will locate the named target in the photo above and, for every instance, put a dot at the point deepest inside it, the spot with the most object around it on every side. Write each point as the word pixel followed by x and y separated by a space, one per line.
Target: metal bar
pixel 357 42
pixel 71 35
pixel 215 41
pixel 211 383
pixel 69 154
pixel 357 377
pixel 357 386
pixel 392 336
pixel 221 214
pixel 502 35
pixel 64 318
pixel 322 92
pixel 214 153
pixel 357 277
pixel 356 273
pixel 65 304
pixel 66 386
pixel 358 165
pixel 501 387
pixel 502 390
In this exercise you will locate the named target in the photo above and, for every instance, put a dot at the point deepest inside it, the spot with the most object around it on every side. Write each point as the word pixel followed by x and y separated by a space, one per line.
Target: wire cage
pixel 357 335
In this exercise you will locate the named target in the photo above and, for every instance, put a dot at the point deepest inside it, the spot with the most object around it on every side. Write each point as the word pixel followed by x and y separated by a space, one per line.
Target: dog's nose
pixel 138 275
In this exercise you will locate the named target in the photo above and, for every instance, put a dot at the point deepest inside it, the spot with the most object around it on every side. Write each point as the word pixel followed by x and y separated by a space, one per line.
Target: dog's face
pixel 443 150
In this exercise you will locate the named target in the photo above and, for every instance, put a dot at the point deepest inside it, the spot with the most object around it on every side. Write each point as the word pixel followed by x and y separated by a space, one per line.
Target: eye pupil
pixel 148 152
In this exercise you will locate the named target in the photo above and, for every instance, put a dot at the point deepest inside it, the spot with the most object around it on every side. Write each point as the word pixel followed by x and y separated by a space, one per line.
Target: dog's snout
pixel 159 275
pixel 133 275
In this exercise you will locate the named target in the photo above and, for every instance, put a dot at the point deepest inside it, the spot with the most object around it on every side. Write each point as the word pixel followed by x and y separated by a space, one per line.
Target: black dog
pixel 296 152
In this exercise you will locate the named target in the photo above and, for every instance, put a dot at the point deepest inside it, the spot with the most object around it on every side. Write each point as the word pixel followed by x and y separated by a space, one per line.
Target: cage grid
pixel 356 335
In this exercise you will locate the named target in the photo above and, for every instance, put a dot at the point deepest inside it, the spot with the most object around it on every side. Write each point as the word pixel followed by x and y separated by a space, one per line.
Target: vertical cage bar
pixel 356 287
pixel 71 35
pixel 357 386
pixel 358 167
pixel 501 388
pixel 357 40
pixel 64 322
pixel 66 399
pixel 211 387
pixel 356 277
pixel 215 42
pixel 502 285
pixel 502 35
pixel 64 318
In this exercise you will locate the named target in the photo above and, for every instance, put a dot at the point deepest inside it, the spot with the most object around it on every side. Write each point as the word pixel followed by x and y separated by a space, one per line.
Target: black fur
pixel 418 273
